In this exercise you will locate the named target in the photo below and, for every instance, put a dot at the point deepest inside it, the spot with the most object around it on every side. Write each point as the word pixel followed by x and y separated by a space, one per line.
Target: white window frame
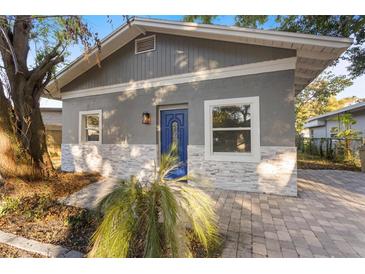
pixel 98 112
pixel 255 154
pixel 145 38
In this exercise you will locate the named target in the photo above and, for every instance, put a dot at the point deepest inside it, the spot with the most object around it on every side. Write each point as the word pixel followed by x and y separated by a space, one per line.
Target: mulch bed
pixel 45 220
pixel 60 184
pixel 36 213
pixel 7 251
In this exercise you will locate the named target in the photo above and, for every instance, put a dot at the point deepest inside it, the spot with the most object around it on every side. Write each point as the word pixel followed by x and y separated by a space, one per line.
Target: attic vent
pixel 145 44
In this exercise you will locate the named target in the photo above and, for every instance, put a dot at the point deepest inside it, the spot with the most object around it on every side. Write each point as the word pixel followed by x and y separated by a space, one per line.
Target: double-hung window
pixel 232 130
pixel 90 126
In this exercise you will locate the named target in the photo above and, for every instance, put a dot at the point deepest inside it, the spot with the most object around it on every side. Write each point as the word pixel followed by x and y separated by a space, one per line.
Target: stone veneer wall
pixel 115 160
pixel 276 173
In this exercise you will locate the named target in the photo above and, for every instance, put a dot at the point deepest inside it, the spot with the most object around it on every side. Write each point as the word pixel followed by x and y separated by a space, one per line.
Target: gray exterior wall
pixel 52 118
pixel 318 132
pixel 122 112
pixel 173 55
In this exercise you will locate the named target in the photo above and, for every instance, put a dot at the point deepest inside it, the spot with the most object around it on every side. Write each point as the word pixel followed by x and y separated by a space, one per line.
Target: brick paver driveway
pixel 327 219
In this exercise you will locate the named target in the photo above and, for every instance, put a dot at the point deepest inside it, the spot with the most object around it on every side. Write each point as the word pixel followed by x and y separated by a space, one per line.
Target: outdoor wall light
pixel 146 118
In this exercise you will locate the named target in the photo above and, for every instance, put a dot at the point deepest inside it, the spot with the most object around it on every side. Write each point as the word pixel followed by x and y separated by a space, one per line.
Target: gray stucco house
pixel 225 95
pixel 327 125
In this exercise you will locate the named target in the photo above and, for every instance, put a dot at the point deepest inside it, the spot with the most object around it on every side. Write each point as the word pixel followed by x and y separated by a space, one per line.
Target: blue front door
pixel 174 129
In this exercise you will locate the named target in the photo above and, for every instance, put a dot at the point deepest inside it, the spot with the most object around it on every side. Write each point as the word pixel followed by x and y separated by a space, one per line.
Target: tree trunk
pixel 8 163
pixel 23 148
pixel 31 130
pixel 38 144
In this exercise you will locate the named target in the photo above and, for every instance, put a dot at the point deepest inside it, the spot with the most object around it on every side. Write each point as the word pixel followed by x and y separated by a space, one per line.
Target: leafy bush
pixel 8 204
pixel 31 207
pixel 156 219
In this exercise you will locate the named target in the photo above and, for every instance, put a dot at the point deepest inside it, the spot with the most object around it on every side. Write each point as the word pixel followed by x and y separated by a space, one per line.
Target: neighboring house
pixel 52 119
pixel 225 95
pixel 327 125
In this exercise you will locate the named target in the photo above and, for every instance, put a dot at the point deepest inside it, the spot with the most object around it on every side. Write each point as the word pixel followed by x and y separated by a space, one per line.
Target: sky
pixel 100 25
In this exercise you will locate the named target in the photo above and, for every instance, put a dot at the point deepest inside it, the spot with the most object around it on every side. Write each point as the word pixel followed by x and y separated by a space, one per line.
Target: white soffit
pixel 314 53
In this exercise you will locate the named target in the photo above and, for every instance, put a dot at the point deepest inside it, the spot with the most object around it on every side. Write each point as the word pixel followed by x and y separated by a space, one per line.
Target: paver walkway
pixel 327 219
pixel 89 196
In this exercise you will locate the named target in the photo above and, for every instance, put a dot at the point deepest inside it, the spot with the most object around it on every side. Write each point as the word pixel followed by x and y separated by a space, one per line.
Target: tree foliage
pixel 316 97
pixel 335 104
pixel 204 19
pixel 251 21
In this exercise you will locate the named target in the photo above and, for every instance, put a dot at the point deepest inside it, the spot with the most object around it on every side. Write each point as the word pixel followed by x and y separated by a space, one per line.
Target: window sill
pixel 90 143
pixel 248 158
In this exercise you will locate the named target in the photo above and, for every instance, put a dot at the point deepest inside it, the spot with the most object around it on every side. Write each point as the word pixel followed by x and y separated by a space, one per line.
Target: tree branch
pixel 45 71
pixel 41 71
pixel 21 31
pixel 52 54
pixel 10 49
pixel 7 57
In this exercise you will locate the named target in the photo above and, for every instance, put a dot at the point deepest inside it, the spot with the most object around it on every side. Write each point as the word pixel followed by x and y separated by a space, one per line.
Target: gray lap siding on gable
pixel 122 112
pixel 173 55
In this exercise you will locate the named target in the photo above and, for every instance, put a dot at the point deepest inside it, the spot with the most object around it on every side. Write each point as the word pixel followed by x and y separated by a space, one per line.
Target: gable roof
pixel 314 53
pixel 350 108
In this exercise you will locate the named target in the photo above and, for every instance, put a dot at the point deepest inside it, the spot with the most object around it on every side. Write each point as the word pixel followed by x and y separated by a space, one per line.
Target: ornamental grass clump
pixel 156 219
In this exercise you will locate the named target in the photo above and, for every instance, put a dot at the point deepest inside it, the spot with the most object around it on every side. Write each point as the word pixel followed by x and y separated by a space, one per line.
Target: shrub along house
pixel 225 95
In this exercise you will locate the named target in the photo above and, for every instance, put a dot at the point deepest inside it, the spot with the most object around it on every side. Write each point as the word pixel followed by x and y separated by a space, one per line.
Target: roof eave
pixel 308 46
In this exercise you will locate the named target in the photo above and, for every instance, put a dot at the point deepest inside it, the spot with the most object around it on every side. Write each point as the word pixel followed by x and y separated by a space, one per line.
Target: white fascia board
pixel 226 72
pixel 282 36
pixel 315 123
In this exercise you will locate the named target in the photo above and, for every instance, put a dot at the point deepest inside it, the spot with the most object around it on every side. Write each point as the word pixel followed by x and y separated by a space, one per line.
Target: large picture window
pixel 90 126
pixel 232 129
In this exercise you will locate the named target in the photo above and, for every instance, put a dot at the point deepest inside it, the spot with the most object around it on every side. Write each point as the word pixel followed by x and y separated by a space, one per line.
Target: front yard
pixel 31 209
pixel 327 219
pixel 46 220
pixel 37 210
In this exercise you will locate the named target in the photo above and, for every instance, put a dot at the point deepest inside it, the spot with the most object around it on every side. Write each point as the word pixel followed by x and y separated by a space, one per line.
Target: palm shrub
pixel 347 134
pixel 155 219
